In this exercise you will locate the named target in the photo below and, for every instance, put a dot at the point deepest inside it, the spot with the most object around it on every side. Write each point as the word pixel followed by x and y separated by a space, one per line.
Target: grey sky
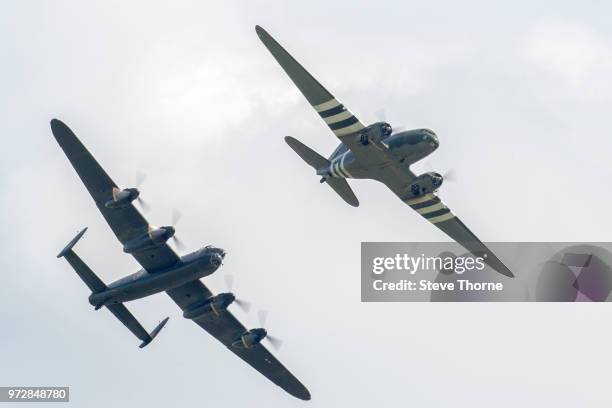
pixel 520 95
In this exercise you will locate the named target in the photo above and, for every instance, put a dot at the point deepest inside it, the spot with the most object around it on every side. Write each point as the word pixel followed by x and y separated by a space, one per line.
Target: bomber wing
pixel 126 222
pixel 227 329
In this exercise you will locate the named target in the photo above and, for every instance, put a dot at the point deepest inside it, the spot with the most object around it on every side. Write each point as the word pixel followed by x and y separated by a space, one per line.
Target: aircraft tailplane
pixel 314 159
pixel 321 166
pixel 96 285
pixel 341 186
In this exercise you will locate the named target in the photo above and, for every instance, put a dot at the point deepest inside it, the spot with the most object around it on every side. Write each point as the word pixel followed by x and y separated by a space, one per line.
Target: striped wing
pixel 435 211
pixel 339 119
pixel 431 208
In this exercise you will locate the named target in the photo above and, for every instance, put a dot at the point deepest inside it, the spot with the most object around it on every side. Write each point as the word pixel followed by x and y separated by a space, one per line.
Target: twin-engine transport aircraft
pixel 163 271
pixel 375 152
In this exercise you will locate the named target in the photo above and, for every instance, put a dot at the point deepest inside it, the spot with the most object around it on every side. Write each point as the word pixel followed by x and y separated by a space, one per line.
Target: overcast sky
pixel 519 94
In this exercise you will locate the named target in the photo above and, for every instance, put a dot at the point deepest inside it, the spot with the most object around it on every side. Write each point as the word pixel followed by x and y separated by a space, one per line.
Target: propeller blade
pixel 381 116
pixel 449 175
pixel 140 178
pixel 179 244
pixel 176 216
pixel 243 304
pixel 229 282
pixel 262 315
pixel 143 204
pixel 275 342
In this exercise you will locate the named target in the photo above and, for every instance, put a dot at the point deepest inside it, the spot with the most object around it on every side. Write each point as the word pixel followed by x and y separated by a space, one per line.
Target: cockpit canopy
pixel 214 250
pixel 430 137
pixel 428 131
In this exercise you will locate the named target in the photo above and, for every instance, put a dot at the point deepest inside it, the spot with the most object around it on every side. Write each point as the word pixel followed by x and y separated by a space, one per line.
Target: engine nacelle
pixel 212 307
pixel 152 239
pixel 425 183
pixel 121 198
pixel 375 133
pixel 250 338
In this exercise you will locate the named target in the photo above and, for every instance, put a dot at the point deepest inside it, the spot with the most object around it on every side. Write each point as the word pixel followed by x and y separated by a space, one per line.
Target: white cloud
pixel 571 50
pixel 185 92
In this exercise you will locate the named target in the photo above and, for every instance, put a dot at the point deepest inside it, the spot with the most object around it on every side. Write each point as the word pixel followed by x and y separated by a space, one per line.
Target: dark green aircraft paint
pixel 162 271
pixel 375 152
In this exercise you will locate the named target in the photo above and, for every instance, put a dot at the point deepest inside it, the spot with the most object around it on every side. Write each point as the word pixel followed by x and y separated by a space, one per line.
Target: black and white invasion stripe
pixel 337 168
pixel 339 119
pixel 430 207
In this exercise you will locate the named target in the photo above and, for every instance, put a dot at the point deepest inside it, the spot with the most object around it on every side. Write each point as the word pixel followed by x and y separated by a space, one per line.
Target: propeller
pixel 262 315
pixel 143 204
pixel 180 245
pixel 140 178
pixel 381 115
pixel 274 341
pixel 242 304
pixel 448 175
pixel 176 216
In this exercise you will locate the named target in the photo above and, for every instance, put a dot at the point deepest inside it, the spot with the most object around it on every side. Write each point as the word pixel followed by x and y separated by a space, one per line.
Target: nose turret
pixel 216 259
pixel 214 250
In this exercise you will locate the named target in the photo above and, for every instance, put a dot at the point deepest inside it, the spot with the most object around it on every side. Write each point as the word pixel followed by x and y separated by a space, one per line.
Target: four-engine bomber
pixel 163 270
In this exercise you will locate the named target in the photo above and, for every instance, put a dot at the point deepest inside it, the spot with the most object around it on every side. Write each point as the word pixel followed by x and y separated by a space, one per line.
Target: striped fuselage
pixel 388 161
pixel 396 175
pixel 388 158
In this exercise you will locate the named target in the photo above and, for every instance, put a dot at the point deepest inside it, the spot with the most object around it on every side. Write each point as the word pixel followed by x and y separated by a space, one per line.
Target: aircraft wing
pixel 227 329
pixel 126 222
pixel 340 120
pixel 430 207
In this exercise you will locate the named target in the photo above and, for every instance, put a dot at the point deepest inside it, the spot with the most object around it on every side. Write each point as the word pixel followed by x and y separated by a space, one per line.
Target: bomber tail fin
pixel 96 285
pixel 321 166
pixel 85 273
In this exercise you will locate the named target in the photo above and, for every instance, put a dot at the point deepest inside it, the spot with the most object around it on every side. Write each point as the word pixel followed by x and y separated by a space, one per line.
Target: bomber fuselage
pixel 142 283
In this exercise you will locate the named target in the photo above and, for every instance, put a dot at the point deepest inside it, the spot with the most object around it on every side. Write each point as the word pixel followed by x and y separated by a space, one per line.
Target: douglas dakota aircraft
pixel 163 271
pixel 375 152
